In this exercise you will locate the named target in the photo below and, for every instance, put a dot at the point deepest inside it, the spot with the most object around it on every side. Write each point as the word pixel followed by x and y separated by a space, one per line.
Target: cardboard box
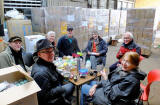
pixel 1 11
pixel 144 23
pixel 30 42
pixel 19 95
pixel 19 27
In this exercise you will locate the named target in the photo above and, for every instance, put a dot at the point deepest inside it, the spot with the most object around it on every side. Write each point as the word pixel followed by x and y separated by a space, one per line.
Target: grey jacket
pixel 7 59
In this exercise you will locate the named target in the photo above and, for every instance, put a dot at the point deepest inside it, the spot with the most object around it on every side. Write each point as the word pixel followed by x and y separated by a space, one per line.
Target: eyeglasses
pixel 47 52
pixel 127 38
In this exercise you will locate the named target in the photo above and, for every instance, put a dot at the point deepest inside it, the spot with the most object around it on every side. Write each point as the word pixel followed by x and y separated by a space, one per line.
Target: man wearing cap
pixel 44 72
pixel 15 55
pixel 67 44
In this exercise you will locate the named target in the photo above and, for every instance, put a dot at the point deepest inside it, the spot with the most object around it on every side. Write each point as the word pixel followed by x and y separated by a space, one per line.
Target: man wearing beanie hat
pixel 67 44
pixel 15 55
pixel 44 72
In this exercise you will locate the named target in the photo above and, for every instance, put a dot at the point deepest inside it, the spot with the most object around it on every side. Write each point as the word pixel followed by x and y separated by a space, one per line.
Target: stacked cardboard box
pixel 83 20
pixel 19 28
pixel 1 11
pixel 143 23
pixel 30 42
pixel 122 22
pixel 114 23
pixel 38 22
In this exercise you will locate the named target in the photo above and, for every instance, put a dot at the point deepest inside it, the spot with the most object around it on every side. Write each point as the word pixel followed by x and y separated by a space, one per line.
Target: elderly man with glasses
pixel 127 46
pixel 44 72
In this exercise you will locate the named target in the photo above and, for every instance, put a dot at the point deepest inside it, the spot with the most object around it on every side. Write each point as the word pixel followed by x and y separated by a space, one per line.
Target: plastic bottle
pixel 78 63
pixel 88 64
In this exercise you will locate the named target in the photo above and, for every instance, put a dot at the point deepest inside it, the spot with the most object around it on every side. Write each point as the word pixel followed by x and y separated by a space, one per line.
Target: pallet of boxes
pixel 83 20
pixel 143 23
pixel 17 87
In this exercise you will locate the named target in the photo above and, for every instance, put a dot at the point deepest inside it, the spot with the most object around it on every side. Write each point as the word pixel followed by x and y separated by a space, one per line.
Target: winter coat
pixel 121 88
pixel 128 47
pixel 7 59
pixel 101 48
pixel 50 82
pixel 66 47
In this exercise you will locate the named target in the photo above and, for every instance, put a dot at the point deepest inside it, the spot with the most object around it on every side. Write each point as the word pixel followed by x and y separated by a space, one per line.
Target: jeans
pixel 69 88
pixel 96 61
pixel 85 91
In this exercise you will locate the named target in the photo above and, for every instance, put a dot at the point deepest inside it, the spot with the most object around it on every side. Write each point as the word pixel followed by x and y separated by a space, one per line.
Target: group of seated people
pixel 121 86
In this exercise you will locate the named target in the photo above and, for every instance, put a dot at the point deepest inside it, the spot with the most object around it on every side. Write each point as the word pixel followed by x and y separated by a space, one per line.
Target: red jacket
pixel 128 47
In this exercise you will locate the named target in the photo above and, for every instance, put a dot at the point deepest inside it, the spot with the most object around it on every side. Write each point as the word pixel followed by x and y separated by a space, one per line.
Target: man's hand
pixel 93 53
pixel 103 73
pixel 97 54
pixel 89 53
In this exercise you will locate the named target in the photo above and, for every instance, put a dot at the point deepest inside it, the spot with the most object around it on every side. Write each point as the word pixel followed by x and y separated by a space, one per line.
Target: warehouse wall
pixel 147 3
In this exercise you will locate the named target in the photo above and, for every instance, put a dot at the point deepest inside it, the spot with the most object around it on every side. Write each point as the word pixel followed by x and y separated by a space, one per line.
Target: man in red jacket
pixel 127 46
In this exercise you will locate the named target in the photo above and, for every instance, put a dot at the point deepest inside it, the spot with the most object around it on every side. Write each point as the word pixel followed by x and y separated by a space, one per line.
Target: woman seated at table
pixel 122 86
pixel 96 50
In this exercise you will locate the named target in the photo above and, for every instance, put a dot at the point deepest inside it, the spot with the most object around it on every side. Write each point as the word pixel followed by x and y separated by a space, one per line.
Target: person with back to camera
pixel 122 86
pixel 44 72
pixel 127 46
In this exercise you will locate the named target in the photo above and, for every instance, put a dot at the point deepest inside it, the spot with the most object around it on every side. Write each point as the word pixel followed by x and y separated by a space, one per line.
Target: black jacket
pixel 50 82
pixel 66 47
pixel 121 87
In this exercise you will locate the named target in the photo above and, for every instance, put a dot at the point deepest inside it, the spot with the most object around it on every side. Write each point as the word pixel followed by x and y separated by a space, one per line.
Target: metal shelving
pixel 22 4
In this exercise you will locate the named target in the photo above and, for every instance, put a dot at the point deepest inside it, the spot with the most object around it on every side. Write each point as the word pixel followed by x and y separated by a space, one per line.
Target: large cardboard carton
pixel 30 42
pixel 1 11
pixel 19 95
pixel 19 28
pixel 114 22
pixel 144 23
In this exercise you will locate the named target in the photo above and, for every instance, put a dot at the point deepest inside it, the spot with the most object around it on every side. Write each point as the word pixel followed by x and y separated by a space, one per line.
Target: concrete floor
pixel 152 62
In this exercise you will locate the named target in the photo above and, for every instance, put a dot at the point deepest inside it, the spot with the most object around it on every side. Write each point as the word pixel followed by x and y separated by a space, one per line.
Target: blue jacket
pixel 102 48
pixel 66 47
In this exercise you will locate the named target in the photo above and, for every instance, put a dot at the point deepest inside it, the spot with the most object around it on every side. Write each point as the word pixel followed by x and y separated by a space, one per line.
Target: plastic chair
pixel 153 76
pixel 141 58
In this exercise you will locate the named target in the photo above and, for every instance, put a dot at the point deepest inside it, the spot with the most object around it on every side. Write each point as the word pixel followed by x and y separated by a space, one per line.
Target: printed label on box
pixel 84 23
pixel 70 18
pixel 63 28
